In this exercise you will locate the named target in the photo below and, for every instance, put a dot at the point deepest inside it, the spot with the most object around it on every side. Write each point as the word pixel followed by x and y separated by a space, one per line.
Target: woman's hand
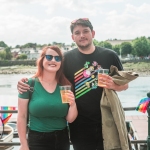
pixel 21 86
pixel 24 148
pixel 72 112
pixel 71 98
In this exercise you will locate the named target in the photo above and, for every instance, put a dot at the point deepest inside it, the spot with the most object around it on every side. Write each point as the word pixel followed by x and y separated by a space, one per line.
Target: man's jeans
pixel 86 137
pixel 57 140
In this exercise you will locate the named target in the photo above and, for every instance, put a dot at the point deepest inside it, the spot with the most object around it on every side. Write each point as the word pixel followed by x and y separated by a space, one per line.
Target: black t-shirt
pixel 81 70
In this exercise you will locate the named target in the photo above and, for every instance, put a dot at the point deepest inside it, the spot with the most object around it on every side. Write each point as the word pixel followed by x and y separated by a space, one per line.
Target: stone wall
pixel 17 62
pixel 33 62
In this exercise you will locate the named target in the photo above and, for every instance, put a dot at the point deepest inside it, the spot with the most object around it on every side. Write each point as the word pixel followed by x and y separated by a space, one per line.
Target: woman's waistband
pixel 53 132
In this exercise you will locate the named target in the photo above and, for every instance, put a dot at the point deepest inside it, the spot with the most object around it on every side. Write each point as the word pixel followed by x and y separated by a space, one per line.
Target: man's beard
pixel 84 47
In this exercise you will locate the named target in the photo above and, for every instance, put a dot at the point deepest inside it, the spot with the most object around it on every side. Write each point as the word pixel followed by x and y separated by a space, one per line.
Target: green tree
pixel 8 56
pixel 7 49
pixel 22 56
pixel 8 53
pixel 116 48
pixel 96 43
pixel 2 55
pixel 126 48
pixel 73 44
pixel 141 46
pixel 59 44
pixel 29 45
pixel 102 44
pixel 17 46
pixel 2 44
pixel 134 52
pixel 107 45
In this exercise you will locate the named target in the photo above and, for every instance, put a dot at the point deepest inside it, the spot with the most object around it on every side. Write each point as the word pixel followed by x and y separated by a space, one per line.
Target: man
pixel 80 67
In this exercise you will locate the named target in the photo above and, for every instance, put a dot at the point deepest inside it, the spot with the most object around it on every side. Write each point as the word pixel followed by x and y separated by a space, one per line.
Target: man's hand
pixel 108 83
pixel 23 87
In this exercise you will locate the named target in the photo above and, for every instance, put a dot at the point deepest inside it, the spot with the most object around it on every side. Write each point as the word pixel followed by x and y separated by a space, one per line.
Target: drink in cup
pixel 63 91
pixel 100 72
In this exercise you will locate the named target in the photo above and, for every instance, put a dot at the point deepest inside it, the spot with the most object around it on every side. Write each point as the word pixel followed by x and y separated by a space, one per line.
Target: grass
pixel 18 69
pixel 138 66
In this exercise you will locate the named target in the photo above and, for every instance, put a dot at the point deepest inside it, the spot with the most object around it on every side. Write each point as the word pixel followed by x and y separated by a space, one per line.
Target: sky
pixel 48 21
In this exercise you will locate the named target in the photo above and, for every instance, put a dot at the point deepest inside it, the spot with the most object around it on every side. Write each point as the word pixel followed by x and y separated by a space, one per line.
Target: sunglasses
pixel 74 21
pixel 1 128
pixel 50 57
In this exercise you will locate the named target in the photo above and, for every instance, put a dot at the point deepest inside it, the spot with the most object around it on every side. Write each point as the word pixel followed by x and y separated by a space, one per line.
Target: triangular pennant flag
pixel 6 116
pixel 6 119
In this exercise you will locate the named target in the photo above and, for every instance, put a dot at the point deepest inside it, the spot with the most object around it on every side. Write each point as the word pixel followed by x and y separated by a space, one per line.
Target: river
pixel 137 90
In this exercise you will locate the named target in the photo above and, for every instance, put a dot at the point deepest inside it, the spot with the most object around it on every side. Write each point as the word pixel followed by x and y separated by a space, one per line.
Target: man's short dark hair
pixel 83 22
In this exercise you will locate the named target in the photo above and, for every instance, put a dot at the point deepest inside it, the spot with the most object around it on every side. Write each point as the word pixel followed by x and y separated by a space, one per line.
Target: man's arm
pixel 22 86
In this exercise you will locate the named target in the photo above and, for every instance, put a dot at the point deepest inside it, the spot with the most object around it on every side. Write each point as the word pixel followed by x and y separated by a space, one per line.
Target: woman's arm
pixel 22 122
pixel 72 112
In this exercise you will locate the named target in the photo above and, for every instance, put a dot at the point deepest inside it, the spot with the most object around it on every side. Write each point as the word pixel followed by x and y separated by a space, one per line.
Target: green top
pixel 46 111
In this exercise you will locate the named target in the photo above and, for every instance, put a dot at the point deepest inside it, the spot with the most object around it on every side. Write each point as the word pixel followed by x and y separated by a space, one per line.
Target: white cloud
pixel 132 22
pixel 72 5
pixel 6 9
pixel 27 29
pixel 47 21
pixel 107 1
pixel 144 8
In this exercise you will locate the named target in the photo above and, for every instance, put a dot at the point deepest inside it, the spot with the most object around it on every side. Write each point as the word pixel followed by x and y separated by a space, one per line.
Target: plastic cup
pixel 100 74
pixel 63 91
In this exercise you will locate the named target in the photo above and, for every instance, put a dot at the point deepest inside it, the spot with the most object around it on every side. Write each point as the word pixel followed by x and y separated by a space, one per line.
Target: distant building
pixel 30 52
pixel 66 48
pixel 15 52
pixel 35 53
pixel 117 42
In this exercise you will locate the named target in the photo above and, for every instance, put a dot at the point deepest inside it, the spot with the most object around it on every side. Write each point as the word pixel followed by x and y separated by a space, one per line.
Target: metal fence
pixel 146 143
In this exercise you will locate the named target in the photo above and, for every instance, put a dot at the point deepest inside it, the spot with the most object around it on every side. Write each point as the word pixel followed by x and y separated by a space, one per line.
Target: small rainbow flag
pixel 143 104
pixel 6 116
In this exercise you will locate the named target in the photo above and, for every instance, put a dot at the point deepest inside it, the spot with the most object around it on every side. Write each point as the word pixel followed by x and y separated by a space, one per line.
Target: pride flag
pixel 143 104
pixel 6 116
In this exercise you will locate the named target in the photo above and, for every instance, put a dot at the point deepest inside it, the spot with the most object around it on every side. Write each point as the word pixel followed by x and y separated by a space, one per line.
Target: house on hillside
pixel 34 54
pixel 30 52
pixel 15 52
pixel 66 48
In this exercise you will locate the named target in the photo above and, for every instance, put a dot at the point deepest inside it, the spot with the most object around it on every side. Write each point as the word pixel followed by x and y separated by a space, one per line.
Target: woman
pixel 47 114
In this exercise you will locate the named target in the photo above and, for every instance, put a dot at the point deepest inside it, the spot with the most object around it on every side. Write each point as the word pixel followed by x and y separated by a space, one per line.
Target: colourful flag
pixel 6 119
pixel 6 116
pixel 143 104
